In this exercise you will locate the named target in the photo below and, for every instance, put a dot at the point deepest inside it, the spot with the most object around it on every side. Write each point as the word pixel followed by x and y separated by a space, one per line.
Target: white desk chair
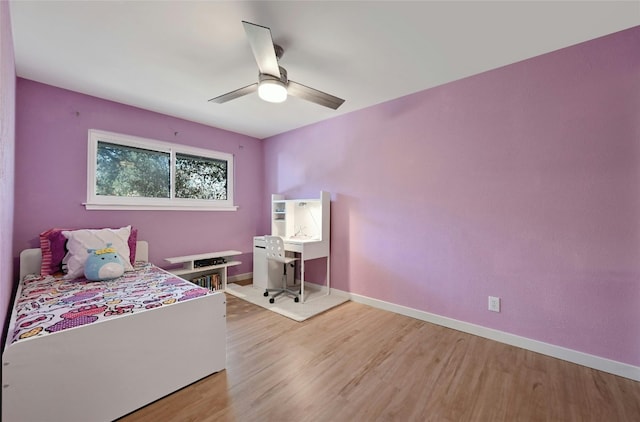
pixel 274 246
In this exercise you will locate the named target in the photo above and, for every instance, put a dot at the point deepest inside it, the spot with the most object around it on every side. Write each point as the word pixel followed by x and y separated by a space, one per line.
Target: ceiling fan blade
pixel 235 94
pixel 302 91
pixel 262 47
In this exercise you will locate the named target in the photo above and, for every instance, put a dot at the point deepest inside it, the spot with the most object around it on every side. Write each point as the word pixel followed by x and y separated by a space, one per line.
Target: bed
pixel 133 340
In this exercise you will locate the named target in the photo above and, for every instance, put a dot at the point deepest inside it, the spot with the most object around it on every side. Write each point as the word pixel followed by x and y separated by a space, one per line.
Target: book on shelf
pixel 210 281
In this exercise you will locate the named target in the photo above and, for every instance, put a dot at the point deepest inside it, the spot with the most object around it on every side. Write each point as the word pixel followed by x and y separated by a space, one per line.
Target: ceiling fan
pixel 273 84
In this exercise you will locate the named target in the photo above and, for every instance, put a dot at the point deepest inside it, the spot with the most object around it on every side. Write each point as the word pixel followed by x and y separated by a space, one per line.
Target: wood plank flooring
pixel 358 363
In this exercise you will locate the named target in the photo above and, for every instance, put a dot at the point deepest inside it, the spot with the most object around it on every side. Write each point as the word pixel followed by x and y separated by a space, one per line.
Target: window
pixel 126 172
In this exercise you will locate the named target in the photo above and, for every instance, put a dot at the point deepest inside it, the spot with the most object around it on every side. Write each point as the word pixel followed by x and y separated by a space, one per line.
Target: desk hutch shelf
pixel 304 219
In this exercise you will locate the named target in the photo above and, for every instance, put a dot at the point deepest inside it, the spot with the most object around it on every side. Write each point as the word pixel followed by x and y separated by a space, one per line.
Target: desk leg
pixel 328 275
pixel 301 279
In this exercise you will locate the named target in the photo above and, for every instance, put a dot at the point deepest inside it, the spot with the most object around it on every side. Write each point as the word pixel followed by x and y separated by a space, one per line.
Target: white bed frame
pixel 106 370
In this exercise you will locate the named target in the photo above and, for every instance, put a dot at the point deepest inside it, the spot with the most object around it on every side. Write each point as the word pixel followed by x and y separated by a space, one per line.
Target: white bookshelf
pixel 200 265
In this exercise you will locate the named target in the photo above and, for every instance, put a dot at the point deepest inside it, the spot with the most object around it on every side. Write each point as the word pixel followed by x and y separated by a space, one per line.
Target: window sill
pixel 93 206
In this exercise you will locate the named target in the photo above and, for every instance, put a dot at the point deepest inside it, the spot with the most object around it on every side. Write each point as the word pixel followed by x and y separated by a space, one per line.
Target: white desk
pixel 304 224
pixel 307 248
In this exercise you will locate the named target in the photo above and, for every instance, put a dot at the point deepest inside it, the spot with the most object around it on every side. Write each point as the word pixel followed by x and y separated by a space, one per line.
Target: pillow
pixel 79 241
pixel 103 264
pixel 133 242
pixel 53 246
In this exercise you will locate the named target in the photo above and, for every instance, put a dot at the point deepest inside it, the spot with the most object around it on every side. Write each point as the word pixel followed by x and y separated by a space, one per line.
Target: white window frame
pixel 103 202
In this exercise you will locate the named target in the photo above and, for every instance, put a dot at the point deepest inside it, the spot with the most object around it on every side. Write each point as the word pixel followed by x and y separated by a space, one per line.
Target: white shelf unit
pixel 196 266
pixel 278 215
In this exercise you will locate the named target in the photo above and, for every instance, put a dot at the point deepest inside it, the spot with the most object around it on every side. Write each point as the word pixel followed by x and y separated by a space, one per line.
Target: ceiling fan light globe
pixel 272 91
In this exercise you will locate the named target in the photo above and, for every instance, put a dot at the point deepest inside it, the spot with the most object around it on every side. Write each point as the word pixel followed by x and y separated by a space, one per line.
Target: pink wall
pixel 7 153
pixel 521 183
pixel 51 168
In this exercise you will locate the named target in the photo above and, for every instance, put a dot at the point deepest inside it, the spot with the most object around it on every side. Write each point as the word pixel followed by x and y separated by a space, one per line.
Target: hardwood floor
pixel 358 363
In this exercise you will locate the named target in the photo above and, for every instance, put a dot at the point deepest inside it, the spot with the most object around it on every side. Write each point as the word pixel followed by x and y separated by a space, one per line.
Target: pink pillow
pixel 45 248
pixel 133 238
pixel 54 247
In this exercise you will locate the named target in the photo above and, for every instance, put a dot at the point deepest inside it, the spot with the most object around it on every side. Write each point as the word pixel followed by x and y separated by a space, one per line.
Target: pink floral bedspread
pixel 50 304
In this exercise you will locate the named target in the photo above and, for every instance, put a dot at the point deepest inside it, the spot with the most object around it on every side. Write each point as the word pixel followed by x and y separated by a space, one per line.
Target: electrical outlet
pixel 494 303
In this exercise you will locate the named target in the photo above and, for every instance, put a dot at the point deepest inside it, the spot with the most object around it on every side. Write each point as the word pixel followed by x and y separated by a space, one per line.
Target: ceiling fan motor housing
pixel 266 77
pixel 278 50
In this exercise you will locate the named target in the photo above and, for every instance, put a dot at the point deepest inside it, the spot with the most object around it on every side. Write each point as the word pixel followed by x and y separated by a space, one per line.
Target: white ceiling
pixel 173 56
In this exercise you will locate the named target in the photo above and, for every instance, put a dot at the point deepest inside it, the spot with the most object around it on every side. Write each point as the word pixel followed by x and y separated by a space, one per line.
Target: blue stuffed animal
pixel 103 264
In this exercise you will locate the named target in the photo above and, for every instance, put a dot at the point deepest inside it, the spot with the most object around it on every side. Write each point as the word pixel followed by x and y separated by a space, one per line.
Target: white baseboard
pixel 574 356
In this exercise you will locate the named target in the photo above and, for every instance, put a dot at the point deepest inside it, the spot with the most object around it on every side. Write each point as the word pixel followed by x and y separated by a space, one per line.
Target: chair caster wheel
pixel 295 299
pixel 266 294
pixel 271 300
